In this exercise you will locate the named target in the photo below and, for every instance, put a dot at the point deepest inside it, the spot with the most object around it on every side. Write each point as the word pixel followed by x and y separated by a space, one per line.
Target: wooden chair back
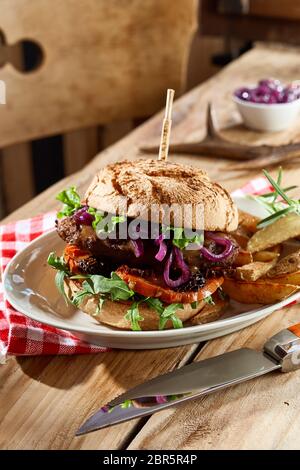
pixel 99 60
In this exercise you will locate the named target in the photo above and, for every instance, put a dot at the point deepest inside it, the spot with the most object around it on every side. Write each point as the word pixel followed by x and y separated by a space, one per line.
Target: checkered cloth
pixel 19 335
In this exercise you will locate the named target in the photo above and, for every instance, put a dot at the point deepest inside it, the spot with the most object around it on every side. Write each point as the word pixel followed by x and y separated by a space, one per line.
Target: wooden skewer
pixel 166 127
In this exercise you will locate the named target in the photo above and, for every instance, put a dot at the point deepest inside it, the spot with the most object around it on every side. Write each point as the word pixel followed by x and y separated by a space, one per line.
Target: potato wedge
pixel 248 221
pixel 288 264
pixel 241 236
pixel 243 257
pixel 281 230
pixel 265 256
pixel 288 278
pixel 260 292
pixel 253 271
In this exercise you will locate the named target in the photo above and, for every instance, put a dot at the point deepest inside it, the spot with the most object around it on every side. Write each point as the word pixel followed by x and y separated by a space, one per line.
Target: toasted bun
pixel 130 185
pixel 113 313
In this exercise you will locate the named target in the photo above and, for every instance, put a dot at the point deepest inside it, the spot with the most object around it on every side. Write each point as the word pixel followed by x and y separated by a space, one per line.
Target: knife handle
pixel 295 329
pixel 284 347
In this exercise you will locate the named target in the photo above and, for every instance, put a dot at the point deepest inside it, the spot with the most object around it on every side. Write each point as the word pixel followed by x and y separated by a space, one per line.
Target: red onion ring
pixel 185 272
pixel 83 217
pixel 219 241
pixel 138 247
pixel 159 241
pixel 161 399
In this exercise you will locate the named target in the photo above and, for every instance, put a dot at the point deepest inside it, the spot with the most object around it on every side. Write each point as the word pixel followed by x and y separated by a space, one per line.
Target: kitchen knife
pixel 281 352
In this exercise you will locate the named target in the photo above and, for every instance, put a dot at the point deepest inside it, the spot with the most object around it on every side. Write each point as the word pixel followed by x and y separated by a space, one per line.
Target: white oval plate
pixel 29 287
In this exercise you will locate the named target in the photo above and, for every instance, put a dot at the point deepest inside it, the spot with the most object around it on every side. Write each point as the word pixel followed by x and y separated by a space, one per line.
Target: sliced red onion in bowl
pixel 185 272
pixel 138 247
pixel 159 241
pixel 219 241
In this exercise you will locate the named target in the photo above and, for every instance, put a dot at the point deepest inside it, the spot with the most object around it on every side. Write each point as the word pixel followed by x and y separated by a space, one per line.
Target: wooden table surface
pixel 43 400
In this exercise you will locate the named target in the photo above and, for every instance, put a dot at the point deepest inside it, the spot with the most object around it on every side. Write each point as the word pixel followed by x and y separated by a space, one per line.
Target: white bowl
pixel 268 117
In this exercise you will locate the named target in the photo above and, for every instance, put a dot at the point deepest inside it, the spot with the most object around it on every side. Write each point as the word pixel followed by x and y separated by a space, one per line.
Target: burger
pixel 128 262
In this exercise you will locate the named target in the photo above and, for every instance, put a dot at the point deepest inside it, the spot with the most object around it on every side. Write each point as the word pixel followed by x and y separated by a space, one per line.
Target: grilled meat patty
pixel 119 252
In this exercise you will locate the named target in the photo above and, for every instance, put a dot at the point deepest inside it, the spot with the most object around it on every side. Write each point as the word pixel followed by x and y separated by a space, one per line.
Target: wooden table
pixel 44 399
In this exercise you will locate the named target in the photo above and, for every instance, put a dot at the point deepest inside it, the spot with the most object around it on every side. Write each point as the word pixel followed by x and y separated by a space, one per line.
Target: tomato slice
pixel 73 255
pixel 155 287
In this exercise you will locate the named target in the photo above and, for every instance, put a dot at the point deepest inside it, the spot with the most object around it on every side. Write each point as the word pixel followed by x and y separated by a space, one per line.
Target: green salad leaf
pixel 59 282
pixel 117 289
pixel 109 222
pixel 169 314
pixel 98 216
pixel 180 239
pixel 165 313
pixel 99 285
pixel 127 404
pixel 58 263
pixel 71 202
pixel 209 300
pixel 133 316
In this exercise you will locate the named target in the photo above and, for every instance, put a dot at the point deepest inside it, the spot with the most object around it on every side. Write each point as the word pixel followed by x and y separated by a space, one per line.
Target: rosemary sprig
pixel 277 202
pixel 277 188
pixel 273 193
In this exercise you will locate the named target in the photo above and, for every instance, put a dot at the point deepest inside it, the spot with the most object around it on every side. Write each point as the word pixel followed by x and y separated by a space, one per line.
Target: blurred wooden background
pixel 81 75
pixel 72 68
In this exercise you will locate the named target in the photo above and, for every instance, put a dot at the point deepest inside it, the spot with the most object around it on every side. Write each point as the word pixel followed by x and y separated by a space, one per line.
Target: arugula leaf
pixel 57 262
pixel 156 304
pixel 59 282
pixel 126 404
pixel 87 290
pixel 79 297
pixel 71 202
pixel 109 221
pixel 115 286
pixel 100 285
pixel 177 323
pixel 209 300
pixel 115 219
pixel 194 304
pixel 179 238
pixel 133 316
pixel 221 294
pixel 98 216
pixel 100 305
pixel 165 313
pixel 169 314
pixel 118 290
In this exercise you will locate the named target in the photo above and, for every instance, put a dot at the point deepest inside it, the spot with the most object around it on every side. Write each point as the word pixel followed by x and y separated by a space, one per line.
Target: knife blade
pixel 281 352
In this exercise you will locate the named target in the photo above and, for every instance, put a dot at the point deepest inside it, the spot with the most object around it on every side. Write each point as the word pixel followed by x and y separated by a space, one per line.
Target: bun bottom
pixel 113 313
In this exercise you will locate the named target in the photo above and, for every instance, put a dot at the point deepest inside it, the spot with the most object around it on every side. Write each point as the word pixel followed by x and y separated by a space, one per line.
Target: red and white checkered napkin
pixel 19 335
